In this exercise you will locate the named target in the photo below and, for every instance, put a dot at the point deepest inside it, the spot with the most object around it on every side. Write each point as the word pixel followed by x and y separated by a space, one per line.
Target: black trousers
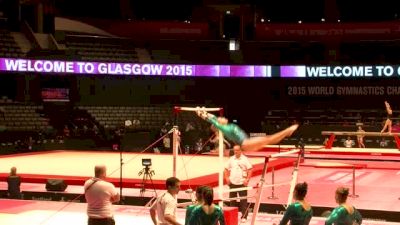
pixel 243 202
pixel 102 221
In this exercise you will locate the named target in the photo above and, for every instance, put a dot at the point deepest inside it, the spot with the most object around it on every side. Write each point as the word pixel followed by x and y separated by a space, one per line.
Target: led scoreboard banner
pixel 340 71
pixel 77 67
pixel 190 70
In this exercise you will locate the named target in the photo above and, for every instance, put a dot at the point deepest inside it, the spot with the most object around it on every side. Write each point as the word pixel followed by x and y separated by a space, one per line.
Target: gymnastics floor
pixel 74 167
pixel 376 177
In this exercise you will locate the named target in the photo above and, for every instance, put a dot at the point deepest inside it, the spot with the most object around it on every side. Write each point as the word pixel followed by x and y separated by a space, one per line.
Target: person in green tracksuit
pixel 299 212
pixel 208 213
pixel 344 214
pixel 199 201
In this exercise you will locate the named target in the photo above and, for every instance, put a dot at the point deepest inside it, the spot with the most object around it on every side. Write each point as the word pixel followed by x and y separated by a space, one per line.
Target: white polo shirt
pixel 166 204
pixel 348 143
pixel 98 197
pixel 238 169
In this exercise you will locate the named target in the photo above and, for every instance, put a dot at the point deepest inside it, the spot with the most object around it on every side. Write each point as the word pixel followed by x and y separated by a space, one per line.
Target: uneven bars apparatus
pixel 175 146
pixel 262 180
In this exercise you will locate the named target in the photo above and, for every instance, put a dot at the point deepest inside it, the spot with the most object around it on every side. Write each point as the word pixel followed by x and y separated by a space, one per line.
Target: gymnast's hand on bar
pixel 204 115
pixel 198 111
pixel 201 112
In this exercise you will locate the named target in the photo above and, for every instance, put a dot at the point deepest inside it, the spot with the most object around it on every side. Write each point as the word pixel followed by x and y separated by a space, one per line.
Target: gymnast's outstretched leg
pixel 258 143
pixel 235 134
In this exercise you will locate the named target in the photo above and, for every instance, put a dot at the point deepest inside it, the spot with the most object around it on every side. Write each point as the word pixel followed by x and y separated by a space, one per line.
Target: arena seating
pixel 8 46
pixel 149 117
pixel 328 116
pixel 177 51
pixel 24 118
pixel 102 48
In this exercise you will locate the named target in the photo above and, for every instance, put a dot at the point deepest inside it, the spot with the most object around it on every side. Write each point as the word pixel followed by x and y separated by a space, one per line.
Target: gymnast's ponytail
pixel 208 196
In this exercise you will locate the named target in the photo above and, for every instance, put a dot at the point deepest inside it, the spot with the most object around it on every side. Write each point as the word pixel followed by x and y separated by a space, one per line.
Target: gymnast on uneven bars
pixel 235 134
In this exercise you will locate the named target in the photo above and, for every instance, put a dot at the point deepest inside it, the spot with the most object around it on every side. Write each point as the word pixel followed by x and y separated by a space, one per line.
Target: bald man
pixel 100 195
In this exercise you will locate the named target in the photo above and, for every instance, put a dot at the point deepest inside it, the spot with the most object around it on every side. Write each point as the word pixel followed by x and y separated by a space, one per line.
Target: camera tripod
pixel 147 175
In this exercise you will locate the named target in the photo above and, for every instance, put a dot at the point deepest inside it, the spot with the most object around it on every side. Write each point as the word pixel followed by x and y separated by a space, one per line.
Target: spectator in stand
pixel 136 122
pixel 85 130
pixel 66 132
pixel 95 130
pixel 117 137
pixel 189 136
pixel 166 142
pixel 383 143
pixel 75 130
pixel 30 142
pixel 198 146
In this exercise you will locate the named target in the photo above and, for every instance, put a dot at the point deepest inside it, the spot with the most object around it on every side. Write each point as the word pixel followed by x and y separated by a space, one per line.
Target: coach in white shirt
pixel 163 211
pixel 100 195
pixel 237 174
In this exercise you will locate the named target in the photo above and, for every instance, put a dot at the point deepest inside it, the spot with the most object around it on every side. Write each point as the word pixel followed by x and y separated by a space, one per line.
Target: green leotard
pixel 231 131
pixel 199 217
pixel 189 210
pixel 340 216
pixel 297 215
